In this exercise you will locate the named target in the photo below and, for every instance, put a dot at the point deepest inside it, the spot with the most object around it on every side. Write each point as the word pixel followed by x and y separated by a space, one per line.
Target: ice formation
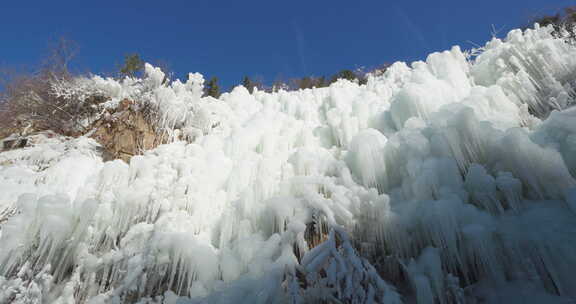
pixel 446 181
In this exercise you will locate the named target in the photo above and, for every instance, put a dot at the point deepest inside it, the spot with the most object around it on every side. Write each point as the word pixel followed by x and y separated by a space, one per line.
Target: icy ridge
pixel 445 181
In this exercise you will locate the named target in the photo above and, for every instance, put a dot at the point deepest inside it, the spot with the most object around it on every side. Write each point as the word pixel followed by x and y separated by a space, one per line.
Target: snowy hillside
pixel 445 181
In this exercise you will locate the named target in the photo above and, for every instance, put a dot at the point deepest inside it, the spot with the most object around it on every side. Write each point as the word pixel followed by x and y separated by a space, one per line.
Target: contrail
pixel 300 46
pixel 413 28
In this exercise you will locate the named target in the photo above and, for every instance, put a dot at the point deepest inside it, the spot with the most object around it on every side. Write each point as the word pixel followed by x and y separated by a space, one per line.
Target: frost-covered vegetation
pixel 446 181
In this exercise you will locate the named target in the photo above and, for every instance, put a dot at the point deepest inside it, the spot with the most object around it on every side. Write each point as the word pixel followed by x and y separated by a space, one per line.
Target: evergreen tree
pixel 248 84
pixel 132 65
pixel 212 88
pixel 344 74
pixel 321 82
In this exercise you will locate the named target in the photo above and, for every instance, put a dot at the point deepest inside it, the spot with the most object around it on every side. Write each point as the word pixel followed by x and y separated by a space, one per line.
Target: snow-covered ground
pixel 446 181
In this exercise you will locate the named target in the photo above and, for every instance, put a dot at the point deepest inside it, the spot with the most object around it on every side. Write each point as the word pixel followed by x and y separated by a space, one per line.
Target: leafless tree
pixel 32 98
pixel 61 52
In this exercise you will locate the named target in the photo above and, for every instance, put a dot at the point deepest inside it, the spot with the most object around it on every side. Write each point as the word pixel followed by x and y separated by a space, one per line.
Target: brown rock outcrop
pixel 125 133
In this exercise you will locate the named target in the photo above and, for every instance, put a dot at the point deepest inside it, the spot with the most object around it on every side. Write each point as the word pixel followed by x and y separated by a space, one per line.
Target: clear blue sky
pixel 230 39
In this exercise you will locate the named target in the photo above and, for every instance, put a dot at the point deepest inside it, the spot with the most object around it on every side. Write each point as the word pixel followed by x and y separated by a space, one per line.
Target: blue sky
pixel 267 39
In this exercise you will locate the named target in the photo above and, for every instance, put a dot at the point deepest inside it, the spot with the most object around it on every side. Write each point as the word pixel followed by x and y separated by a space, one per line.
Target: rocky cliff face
pixel 124 133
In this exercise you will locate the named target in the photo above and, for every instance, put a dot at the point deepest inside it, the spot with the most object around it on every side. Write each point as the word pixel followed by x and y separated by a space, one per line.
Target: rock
pixel 125 133
pixel 316 233
pixel 14 143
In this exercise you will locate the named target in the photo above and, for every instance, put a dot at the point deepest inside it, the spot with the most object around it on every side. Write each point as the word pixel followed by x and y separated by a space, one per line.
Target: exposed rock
pixel 316 233
pixel 6 132
pixel 14 143
pixel 19 126
pixel 125 132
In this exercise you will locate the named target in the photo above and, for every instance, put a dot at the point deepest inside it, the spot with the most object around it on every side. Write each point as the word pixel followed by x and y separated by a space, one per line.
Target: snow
pixel 443 181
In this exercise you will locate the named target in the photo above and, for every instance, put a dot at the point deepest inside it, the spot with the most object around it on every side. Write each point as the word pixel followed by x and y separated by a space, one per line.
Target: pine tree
pixel 212 88
pixel 344 74
pixel 132 65
pixel 248 84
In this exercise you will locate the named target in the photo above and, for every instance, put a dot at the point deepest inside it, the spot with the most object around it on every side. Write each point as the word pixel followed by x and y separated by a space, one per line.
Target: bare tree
pixel 61 51
pixel 564 20
pixel 36 99
pixel 280 83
